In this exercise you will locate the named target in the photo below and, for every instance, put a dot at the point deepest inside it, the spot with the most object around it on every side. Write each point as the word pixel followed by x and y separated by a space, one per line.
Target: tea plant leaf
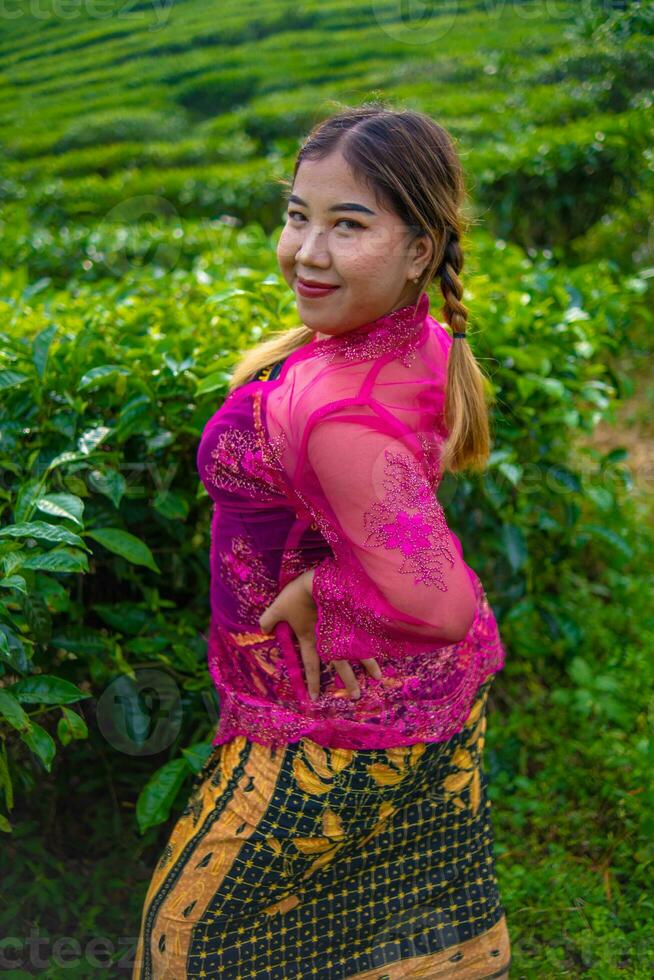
pixel 91 439
pixel 62 505
pixel 43 532
pixel 124 544
pixel 98 375
pixel 41 743
pixel 71 726
pixel 60 560
pixel 11 379
pixel 41 349
pixel 12 712
pixel 110 483
pixel 158 795
pixel 196 755
pixel 14 582
pixel 46 689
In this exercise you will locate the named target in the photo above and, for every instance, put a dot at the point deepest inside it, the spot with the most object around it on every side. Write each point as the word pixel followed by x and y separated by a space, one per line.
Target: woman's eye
pixel 347 221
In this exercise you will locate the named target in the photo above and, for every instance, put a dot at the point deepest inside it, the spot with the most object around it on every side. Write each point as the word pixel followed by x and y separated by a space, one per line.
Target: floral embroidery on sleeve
pixel 423 537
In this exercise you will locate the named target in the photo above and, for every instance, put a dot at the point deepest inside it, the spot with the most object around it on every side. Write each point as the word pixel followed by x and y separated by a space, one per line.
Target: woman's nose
pixel 313 249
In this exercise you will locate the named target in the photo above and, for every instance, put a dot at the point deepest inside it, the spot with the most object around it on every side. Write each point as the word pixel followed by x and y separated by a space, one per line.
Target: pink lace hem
pixel 419 698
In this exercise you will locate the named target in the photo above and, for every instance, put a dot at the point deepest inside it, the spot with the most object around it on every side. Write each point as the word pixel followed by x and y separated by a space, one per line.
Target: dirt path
pixel 633 430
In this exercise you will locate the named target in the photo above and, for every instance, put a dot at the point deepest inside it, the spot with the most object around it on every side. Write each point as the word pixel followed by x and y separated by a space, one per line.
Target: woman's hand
pixel 296 606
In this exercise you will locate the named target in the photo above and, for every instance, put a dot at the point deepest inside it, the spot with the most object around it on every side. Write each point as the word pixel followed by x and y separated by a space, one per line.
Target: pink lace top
pixel 334 465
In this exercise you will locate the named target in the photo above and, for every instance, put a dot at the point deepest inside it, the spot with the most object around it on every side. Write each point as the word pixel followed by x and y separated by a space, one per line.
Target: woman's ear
pixel 423 251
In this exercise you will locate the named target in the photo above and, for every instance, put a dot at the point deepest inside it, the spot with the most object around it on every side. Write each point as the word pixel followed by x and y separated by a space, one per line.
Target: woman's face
pixel 337 233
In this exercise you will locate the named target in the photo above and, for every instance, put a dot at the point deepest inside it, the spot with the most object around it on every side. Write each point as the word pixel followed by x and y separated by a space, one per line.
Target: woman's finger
pixel 348 677
pixel 268 618
pixel 311 662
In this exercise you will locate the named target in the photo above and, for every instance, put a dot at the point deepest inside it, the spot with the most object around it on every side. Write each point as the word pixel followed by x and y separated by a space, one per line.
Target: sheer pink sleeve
pixel 359 420
pixel 397 577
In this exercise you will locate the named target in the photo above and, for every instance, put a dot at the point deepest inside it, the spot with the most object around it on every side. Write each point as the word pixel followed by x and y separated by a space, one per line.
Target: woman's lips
pixel 314 292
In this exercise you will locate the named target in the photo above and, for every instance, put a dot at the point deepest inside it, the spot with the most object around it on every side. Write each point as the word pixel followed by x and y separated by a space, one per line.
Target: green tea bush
pixel 218 91
pixel 622 72
pixel 118 126
pixel 276 120
pixel 570 175
pixel 107 159
pixel 598 24
pixel 549 343
pixel 625 235
pixel 244 189
pixel 288 17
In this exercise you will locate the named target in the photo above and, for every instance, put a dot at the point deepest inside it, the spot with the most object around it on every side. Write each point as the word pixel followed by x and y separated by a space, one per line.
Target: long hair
pixel 412 164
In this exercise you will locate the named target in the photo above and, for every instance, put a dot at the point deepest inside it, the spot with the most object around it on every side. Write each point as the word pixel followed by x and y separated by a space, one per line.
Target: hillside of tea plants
pixel 142 153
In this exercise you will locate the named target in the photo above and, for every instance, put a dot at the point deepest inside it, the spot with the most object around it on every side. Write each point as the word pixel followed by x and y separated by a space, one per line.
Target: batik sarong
pixel 302 862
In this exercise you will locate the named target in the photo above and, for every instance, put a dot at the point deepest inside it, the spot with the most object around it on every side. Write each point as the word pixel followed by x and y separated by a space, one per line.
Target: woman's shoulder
pixel 269 372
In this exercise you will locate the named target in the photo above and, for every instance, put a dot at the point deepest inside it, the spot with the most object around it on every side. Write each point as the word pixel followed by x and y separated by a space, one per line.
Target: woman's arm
pixel 397 580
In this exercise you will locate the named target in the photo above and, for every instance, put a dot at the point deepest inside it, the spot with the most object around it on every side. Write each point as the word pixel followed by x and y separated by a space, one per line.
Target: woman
pixel 341 828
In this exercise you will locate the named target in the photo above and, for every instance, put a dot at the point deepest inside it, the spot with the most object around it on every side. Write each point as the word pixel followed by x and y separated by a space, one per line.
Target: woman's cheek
pixel 285 256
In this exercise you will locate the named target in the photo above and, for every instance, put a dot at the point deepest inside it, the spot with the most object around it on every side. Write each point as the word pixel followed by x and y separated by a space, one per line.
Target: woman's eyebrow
pixel 347 206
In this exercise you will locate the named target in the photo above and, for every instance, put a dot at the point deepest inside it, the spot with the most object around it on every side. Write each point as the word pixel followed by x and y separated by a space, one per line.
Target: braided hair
pixel 454 310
